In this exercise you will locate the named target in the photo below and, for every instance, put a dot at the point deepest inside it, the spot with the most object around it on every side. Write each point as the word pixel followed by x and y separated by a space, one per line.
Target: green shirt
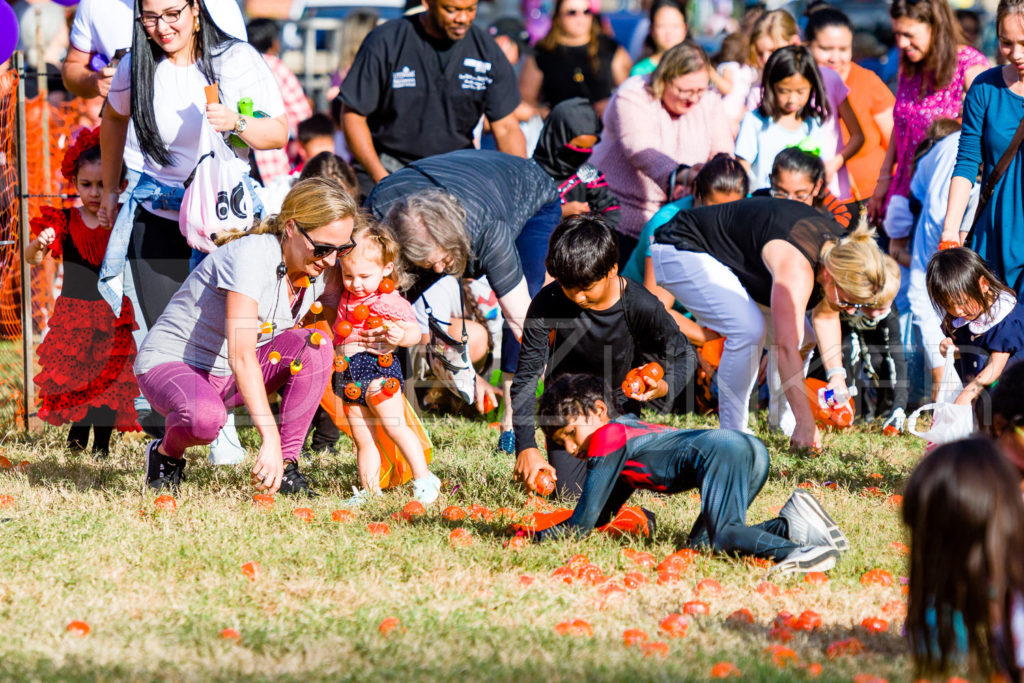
pixel 643 67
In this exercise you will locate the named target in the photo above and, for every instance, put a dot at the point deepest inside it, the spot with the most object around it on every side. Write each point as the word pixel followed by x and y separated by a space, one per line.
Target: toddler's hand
pixel 945 345
pixel 394 333
pixel 374 338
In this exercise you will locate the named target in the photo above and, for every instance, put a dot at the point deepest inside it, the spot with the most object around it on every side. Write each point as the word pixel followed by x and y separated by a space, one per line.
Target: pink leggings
pixel 195 402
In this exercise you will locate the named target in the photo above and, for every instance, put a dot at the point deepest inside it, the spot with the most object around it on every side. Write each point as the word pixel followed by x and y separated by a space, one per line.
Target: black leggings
pixel 159 256
pixel 101 420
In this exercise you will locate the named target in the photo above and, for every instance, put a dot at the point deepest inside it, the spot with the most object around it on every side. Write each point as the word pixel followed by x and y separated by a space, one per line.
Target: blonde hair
pixel 310 204
pixel 427 220
pixel 685 58
pixel 375 242
pixel 857 265
pixel 354 29
pixel 892 282
pixel 778 24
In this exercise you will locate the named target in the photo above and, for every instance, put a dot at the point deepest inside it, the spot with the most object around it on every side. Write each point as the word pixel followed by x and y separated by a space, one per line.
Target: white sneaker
pixel 809 524
pixel 227 449
pixel 426 489
pixel 360 496
pixel 809 558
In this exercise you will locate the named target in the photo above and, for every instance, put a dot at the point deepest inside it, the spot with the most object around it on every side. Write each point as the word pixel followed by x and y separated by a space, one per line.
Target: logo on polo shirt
pixel 406 78
pixel 476 65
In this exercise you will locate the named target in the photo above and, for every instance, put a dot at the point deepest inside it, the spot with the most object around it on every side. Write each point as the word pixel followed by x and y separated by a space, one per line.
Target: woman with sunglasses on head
pixel 177 50
pixel 751 270
pixel 228 337
pixel 574 59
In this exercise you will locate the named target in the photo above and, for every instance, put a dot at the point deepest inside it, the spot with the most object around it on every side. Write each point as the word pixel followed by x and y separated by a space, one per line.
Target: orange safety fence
pixel 49 131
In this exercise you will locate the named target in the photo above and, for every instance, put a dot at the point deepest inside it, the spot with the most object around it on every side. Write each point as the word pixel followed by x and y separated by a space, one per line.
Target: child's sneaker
pixel 507 442
pixel 227 449
pixel 809 558
pixel 809 524
pixel 162 471
pixel 294 482
pixel 426 489
pixel 360 496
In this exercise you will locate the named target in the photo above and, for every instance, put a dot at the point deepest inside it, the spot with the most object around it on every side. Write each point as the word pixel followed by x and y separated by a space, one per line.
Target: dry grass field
pixel 82 540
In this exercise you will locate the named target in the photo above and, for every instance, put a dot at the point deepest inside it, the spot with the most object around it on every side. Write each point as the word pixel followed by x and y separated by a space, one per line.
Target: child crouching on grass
pixel 590 320
pixel 623 454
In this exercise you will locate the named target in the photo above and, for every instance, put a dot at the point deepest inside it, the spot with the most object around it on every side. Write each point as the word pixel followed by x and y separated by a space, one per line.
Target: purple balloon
pixel 98 61
pixel 66 3
pixel 8 31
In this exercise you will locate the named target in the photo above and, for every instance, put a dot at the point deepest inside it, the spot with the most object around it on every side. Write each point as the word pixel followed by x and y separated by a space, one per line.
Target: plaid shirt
pixel 274 162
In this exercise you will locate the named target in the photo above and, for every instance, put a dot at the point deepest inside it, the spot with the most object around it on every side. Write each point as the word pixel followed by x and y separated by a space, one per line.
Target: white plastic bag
pixel 216 195
pixel 949 420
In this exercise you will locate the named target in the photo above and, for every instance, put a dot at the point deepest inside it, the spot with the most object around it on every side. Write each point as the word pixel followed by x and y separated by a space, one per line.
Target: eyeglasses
pixel 799 196
pixel 689 95
pixel 576 12
pixel 846 304
pixel 324 250
pixel 169 17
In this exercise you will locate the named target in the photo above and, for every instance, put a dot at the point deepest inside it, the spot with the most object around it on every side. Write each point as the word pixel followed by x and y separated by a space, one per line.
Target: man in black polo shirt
pixel 419 86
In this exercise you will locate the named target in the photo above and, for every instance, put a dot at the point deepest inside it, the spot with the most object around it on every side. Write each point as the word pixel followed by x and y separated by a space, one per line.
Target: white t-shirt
pixel 836 91
pixel 760 140
pixel 179 104
pixel 105 26
pixel 443 298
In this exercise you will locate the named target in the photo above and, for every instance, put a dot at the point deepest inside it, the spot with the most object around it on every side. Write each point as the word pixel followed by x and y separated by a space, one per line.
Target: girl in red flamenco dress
pixel 86 358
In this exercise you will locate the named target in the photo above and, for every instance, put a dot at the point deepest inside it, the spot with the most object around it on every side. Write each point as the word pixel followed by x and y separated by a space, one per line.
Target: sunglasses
pixel 576 12
pixel 324 250
pixel 846 304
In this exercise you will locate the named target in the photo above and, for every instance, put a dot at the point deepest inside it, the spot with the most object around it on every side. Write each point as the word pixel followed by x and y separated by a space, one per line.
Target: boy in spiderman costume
pixel 728 467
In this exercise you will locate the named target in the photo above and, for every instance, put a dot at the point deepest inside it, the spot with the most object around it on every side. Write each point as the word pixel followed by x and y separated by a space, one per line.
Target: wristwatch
pixel 240 125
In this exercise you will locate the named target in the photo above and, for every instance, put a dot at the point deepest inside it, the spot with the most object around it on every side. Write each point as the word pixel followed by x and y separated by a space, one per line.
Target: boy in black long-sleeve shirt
pixel 623 454
pixel 593 321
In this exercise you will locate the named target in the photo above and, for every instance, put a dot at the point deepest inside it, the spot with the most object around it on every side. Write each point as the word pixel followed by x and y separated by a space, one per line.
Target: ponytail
pixel 858 266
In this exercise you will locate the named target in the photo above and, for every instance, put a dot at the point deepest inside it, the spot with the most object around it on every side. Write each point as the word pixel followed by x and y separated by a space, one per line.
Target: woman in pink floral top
pixel 936 69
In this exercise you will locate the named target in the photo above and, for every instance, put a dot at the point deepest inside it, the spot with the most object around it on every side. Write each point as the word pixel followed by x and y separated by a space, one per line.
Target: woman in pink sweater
pixel 652 125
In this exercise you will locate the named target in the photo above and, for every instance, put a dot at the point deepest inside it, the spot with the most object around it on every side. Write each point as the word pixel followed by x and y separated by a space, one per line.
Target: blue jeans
pixel 532 247
pixel 730 470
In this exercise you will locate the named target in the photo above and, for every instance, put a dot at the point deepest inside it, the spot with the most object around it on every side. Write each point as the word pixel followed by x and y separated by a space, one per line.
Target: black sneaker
pixel 294 482
pixel 162 471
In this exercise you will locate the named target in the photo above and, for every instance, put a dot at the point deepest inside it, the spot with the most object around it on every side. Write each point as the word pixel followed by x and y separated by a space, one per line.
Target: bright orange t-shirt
pixel 868 97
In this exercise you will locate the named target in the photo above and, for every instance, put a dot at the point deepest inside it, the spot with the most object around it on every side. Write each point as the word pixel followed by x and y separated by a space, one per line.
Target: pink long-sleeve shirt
pixel 642 144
